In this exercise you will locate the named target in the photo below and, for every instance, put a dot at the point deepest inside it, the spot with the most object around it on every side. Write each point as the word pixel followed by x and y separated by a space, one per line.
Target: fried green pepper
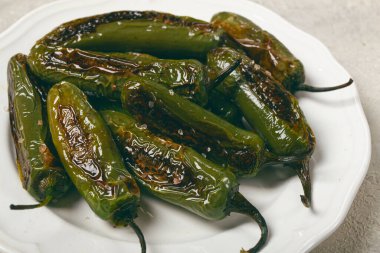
pixel 267 51
pixel 170 115
pixel 179 175
pixel 100 74
pixel 41 173
pixel 268 107
pixel 91 157
pixel 160 34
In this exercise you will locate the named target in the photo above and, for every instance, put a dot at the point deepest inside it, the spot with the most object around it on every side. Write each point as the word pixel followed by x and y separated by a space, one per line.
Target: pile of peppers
pixel 129 102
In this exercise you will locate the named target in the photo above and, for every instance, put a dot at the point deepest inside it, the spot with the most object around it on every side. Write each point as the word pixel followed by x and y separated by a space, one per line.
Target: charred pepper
pixel 100 74
pixel 168 114
pixel 40 171
pixel 91 158
pixel 271 110
pixel 160 34
pixel 179 175
pixel 267 51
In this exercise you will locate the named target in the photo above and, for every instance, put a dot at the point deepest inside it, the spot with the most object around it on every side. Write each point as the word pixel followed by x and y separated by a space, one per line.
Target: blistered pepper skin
pixel 171 171
pixel 270 109
pixel 187 77
pixel 100 74
pixel 187 123
pixel 263 47
pixel 160 34
pixel 90 156
pixel 179 175
pixel 40 171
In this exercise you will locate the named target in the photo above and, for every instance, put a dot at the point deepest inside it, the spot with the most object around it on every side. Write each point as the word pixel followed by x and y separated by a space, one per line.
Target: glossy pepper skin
pixel 160 34
pixel 263 47
pixel 187 123
pixel 40 171
pixel 101 74
pixel 178 174
pixel 90 156
pixel 268 107
pixel 171 171
pixel 187 77
pixel 181 78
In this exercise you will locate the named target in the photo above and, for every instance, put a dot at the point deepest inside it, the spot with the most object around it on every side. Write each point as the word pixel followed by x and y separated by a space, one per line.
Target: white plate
pixel 339 163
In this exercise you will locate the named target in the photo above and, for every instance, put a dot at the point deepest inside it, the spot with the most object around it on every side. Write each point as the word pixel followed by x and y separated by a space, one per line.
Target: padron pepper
pixel 269 108
pixel 91 158
pixel 160 34
pixel 101 74
pixel 170 115
pixel 179 175
pixel 40 171
pixel 267 51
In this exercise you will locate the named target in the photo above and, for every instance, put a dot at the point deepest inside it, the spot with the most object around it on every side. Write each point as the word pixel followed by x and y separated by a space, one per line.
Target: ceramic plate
pixel 339 163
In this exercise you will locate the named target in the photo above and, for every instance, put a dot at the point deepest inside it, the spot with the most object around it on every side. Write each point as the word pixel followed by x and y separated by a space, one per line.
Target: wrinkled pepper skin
pixel 187 123
pixel 187 77
pixel 179 175
pixel 40 171
pixel 90 156
pixel 170 171
pixel 269 108
pixel 101 74
pixel 160 34
pixel 263 47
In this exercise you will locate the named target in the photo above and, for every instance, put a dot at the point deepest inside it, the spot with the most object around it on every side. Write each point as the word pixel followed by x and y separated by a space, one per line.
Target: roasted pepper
pixel 41 173
pixel 91 158
pixel 268 107
pixel 160 34
pixel 187 78
pixel 179 175
pixel 170 115
pixel 100 74
pixel 267 51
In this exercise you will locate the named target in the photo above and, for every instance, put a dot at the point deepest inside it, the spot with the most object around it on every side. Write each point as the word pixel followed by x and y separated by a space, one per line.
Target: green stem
pixel 302 169
pixel 239 204
pixel 139 235
pixel 223 75
pixel 24 207
pixel 305 87
pixel 273 159
pixel 300 164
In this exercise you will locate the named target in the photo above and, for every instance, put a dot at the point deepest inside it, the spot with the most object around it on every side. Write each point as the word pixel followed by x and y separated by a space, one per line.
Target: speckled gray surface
pixel 349 28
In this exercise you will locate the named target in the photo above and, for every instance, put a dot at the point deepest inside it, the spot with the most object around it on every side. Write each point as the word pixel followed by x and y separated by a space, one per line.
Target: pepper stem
pixel 305 87
pixel 139 235
pixel 24 207
pixel 223 75
pixel 239 204
pixel 301 166
pixel 302 169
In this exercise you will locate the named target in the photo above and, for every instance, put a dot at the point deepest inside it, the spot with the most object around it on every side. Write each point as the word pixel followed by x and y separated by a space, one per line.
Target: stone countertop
pixel 348 28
